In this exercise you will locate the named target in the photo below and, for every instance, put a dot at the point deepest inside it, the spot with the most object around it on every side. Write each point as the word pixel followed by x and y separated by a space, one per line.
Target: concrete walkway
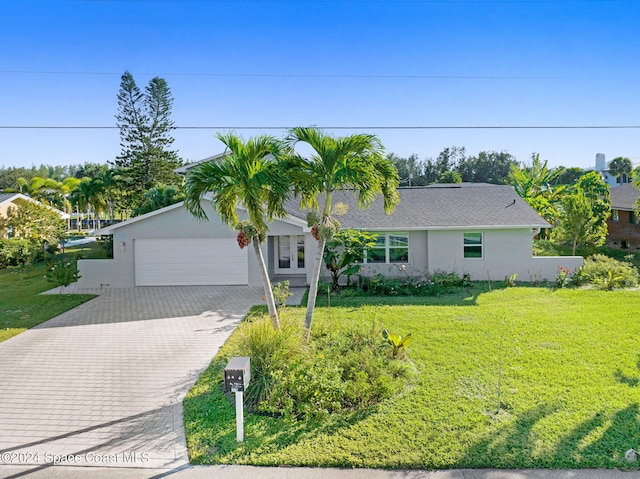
pixel 103 384
pixel 249 472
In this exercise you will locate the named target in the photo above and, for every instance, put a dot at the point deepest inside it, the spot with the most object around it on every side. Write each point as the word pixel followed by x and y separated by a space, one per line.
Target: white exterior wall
pixel 505 252
pixel 175 223
pixel 416 266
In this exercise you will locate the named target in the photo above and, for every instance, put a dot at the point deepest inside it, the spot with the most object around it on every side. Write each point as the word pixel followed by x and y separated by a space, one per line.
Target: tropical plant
pixel 159 197
pixel 534 184
pixel 249 177
pixel 450 177
pixel 585 209
pixel 608 272
pixel 398 343
pixel 49 191
pixel 355 163
pixel 343 252
pixel 89 197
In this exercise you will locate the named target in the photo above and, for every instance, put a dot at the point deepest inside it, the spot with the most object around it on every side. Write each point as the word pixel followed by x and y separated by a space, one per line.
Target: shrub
pixel 609 273
pixel 438 283
pixel 564 277
pixel 19 252
pixel 446 279
pixel 270 350
pixel 281 293
pixel 340 369
pixel 62 273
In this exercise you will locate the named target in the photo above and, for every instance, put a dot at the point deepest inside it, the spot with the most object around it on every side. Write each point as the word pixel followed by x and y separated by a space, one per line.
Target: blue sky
pixel 344 63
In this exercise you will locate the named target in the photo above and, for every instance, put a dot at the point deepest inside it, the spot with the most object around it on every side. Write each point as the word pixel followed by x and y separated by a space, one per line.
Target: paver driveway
pixel 103 384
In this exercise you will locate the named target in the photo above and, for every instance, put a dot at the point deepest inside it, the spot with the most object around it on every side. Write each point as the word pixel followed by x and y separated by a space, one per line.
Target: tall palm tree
pixel 247 177
pixel 89 196
pixel 356 163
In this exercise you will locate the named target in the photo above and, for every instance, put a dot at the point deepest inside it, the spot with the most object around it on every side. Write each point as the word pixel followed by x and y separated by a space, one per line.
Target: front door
pixel 290 254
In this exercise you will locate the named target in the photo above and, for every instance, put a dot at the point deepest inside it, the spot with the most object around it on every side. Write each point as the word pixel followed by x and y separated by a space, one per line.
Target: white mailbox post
pixel 237 375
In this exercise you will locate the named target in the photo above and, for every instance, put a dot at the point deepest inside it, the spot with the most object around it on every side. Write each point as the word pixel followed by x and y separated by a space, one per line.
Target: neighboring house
pixel 623 223
pixel 13 200
pixel 611 180
pixel 480 229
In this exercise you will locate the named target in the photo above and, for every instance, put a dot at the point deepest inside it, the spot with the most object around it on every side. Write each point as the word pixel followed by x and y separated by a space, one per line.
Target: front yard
pixel 21 305
pixel 567 361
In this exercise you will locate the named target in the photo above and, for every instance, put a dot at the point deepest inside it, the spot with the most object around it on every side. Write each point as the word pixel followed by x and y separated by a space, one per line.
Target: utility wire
pixel 342 127
pixel 351 1
pixel 314 75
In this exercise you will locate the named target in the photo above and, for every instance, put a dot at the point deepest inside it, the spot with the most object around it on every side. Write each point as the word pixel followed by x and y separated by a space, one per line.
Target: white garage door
pixel 176 262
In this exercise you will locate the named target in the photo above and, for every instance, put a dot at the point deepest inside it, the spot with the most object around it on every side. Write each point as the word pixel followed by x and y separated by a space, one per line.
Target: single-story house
pixel 13 200
pixel 478 229
pixel 624 223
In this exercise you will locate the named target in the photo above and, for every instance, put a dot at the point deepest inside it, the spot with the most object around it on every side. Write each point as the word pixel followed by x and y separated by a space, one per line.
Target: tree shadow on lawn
pixel 508 444
pixel 627 379
pixel 602 440
pixel 598 442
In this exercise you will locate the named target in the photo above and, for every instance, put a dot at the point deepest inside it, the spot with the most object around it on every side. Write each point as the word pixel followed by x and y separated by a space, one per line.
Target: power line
pixel 292 2
pixel 313 75
pixel 342 127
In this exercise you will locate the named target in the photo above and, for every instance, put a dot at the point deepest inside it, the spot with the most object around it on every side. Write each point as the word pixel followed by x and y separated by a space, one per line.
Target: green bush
pixel 347 370
pixel 607 272
pixel 270 350
pixel 439 283
pixel 19 252
pixel 63 272
pixel 339 369
pixel 443 278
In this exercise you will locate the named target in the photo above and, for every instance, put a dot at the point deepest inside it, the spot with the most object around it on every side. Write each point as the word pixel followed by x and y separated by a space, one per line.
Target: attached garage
pixel 169 247
pixel 189 262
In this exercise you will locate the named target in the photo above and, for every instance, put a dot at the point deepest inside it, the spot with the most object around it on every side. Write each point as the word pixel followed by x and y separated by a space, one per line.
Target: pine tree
pixel 144 120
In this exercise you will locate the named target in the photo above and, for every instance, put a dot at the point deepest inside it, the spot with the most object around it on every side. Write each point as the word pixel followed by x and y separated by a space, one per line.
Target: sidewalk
pixel 250 472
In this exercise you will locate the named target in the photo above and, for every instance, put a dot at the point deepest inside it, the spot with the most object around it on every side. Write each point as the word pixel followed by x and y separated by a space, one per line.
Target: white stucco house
pixel 480 229
pixel 603 168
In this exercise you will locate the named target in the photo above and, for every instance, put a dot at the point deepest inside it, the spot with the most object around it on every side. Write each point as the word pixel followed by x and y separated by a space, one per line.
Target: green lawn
pixel 570 389
pixel 21 305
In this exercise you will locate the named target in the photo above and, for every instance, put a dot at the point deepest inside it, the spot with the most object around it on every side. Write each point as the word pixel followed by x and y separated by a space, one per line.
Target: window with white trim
pixel 473 245
pixel 389 248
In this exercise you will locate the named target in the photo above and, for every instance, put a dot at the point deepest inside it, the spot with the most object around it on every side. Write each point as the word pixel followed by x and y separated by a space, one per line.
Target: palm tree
pixel 356 163
pixel 158 197
pixel 247 177
pixel 534 184
pixel 89 196
pixel 621 168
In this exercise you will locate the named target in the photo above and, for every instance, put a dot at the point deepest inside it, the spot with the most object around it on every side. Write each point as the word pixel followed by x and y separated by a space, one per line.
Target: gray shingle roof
pixel 6 196
pixel 440 206
pixel 624 196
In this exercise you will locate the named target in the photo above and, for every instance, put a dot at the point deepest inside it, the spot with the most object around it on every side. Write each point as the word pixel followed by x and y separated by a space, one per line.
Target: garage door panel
pixel 204 261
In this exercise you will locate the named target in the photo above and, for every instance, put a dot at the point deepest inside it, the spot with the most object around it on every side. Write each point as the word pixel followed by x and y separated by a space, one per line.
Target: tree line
pixel 454 165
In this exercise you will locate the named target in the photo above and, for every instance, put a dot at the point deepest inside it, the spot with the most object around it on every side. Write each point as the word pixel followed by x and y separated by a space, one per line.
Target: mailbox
pixel 237 374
